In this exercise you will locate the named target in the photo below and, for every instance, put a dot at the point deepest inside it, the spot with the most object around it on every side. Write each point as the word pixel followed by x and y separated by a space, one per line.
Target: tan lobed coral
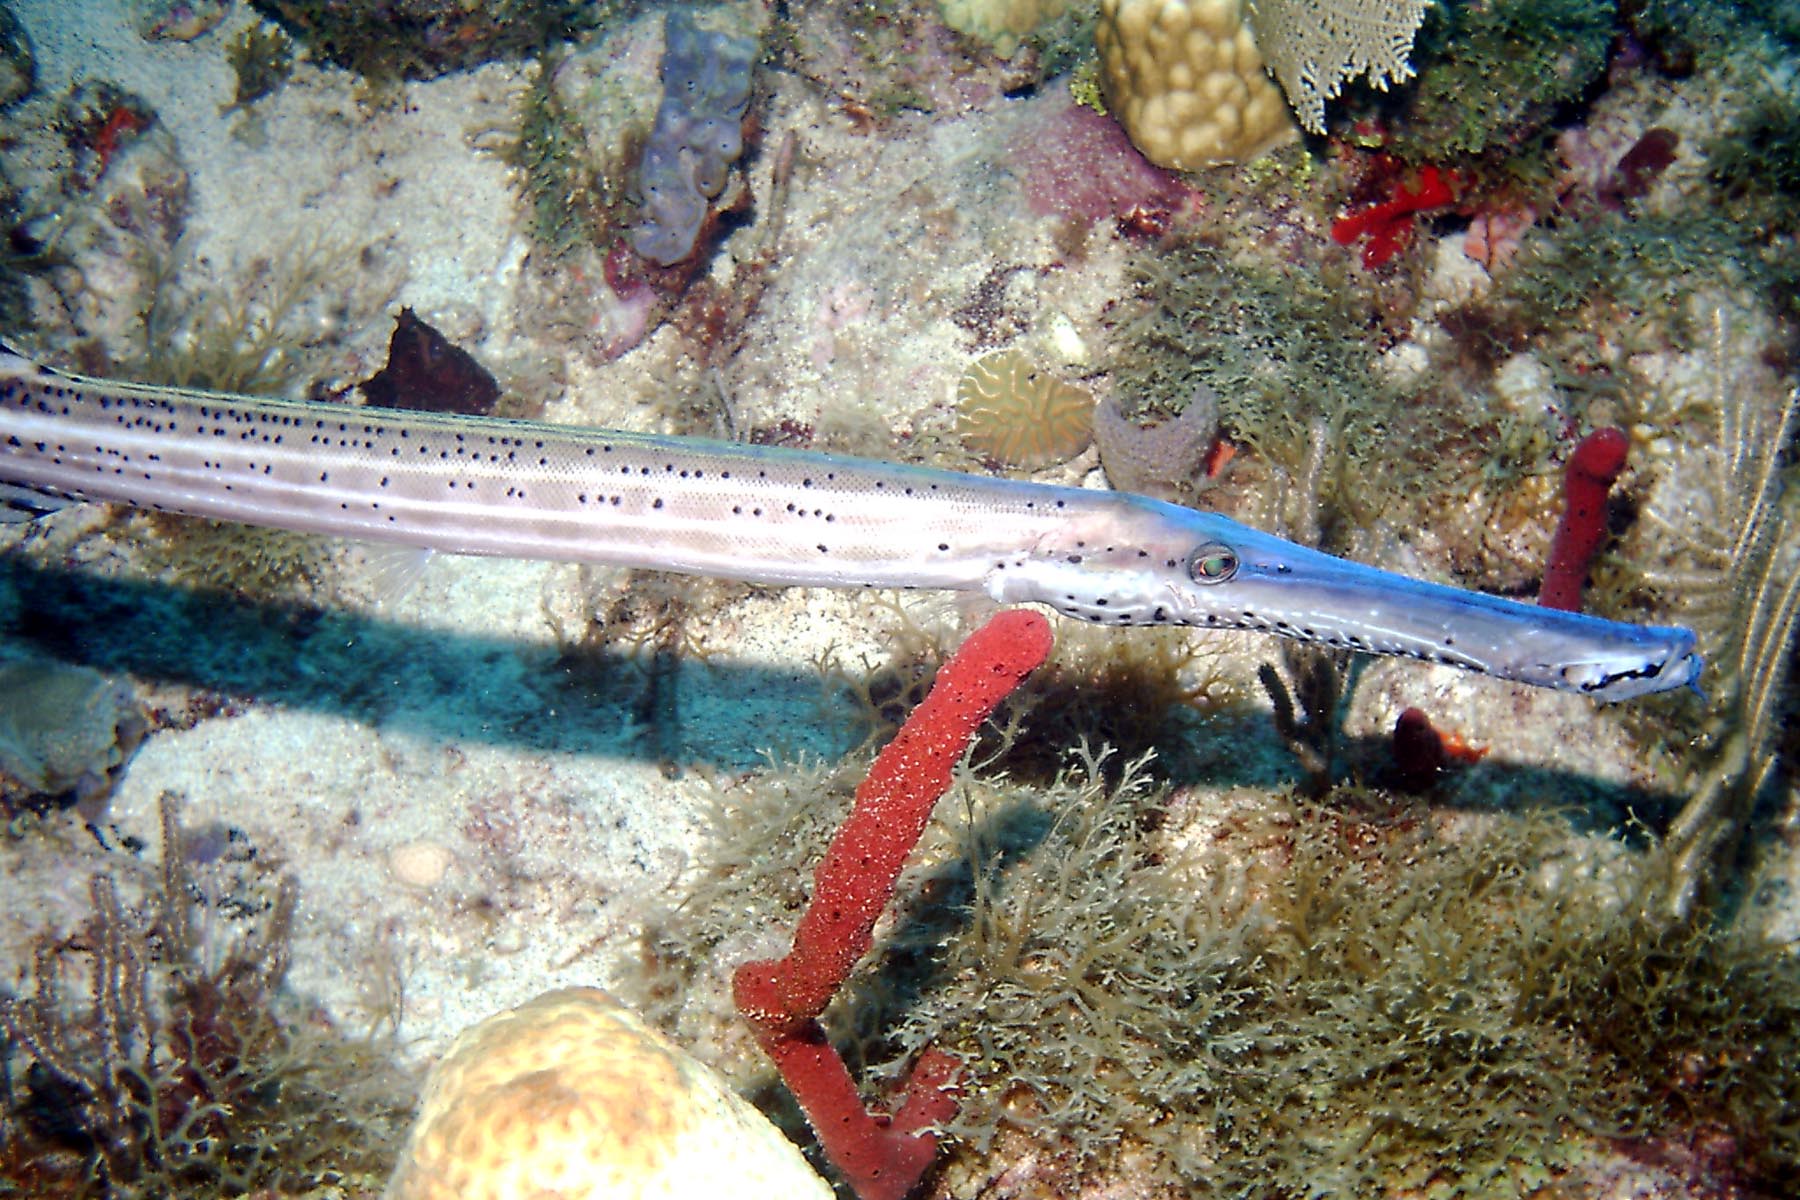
pixel 1009 410
pixel 1001 23
pixel 1185 79
pixel 571 1097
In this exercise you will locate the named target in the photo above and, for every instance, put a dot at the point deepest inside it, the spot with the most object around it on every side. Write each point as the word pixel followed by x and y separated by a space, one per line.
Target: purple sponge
pixel 697 136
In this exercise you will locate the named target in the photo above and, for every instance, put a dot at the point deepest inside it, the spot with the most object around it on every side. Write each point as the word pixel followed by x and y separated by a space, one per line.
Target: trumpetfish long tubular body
pixel 520 489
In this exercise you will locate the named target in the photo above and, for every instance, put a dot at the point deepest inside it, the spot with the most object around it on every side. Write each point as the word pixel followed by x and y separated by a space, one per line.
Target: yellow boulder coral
pixel 571 1097
pixel 1001 23
pixel 1009 410
pixel 1185 79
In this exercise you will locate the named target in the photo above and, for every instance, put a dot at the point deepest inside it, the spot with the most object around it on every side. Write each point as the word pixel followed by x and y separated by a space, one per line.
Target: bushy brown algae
pixel 1284 346
pixel 178 322
pixel 574 198
pixel 254 333
pixel 262 58
pixel 1295 1000
pixel 422 39
pixel 250 561
pixel 178 1067
pixel 258 332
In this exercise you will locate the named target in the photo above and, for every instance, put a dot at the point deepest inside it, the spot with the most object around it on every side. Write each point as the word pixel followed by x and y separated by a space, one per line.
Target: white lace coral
pixel 1315 46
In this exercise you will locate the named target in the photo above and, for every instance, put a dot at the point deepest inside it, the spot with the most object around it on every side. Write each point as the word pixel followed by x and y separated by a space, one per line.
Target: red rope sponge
pixel 882 1159
pixel 1592 470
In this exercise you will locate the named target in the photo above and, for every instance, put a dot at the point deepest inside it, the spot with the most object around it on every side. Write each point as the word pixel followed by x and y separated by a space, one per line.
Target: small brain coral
pixel 1013 412
pixel 570 1096
pixel 1186 81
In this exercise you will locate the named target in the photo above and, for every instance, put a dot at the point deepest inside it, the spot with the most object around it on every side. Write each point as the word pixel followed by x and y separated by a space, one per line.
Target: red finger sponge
pixel 1592 470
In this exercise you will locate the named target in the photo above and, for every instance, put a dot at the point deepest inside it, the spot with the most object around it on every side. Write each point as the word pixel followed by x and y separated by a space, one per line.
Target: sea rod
pixel 525 489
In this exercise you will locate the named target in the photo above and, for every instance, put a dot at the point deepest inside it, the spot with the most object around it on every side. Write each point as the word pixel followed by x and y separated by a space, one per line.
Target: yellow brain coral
pixel 1009 410
pixel 1185 79
pixel 571 1097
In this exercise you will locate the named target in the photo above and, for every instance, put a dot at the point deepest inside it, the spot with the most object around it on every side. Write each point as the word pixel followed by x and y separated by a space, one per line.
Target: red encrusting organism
pixel 118 124
pixel 1219 456
pixel 1389 225
pixel 1417 750
pixel 1592 470
pixel 1421 751
pixel 882 1158
pixel 1079 166
pixel 1641 167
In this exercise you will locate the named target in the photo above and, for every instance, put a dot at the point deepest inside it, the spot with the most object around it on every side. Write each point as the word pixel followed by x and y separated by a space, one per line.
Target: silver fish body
pixel 471 485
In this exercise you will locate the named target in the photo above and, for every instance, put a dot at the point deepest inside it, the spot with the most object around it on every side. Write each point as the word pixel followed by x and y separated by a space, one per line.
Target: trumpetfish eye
pixel 1213 562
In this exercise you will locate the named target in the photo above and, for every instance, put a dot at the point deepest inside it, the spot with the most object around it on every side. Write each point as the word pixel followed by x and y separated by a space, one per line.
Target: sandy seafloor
pixel 466 828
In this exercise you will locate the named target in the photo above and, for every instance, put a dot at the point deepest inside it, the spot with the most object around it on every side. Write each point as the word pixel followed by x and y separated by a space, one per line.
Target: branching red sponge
pixel 1592 470
pixel 881 1158
pixel 1389 225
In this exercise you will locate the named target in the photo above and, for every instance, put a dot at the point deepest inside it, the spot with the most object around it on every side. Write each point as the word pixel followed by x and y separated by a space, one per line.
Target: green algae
pixel 1292 350
pixel 568 201
pixel 1493 73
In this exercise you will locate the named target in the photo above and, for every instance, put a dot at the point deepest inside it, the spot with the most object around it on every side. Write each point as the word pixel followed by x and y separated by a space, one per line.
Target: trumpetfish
pixel 526 489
